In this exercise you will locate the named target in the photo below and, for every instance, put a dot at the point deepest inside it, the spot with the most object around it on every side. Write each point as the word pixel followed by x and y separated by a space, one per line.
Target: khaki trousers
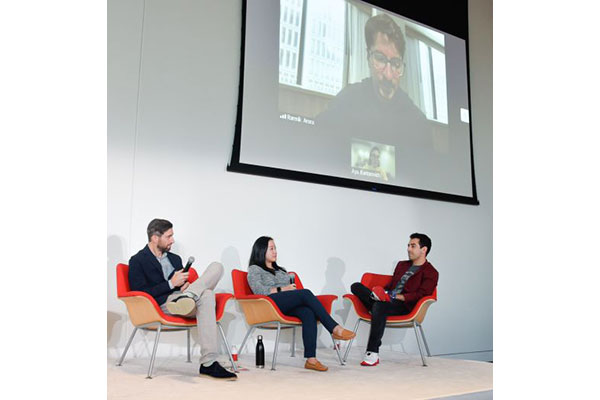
pixel 203 290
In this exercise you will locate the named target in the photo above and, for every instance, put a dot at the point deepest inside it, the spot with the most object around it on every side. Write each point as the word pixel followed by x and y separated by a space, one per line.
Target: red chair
pixel 262 312
pixel 412 320
pixel 145 313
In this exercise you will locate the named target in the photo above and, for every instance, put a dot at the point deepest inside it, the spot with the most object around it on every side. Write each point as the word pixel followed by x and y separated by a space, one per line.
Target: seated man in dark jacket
pixel 158 272
pixel 412 280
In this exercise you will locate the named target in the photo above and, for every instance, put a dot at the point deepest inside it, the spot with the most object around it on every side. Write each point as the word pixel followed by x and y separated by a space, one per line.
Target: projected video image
pixel 340 53
pixel 373 160
pixel 329 79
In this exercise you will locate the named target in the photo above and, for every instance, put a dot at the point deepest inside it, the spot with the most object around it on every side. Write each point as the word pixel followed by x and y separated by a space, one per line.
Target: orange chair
pixel 145 313
pixel 262 312
pixel 412 320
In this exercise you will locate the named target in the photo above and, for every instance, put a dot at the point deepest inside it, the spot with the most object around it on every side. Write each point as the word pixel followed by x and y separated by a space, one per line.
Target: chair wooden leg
pixel 127 347
pixel 351 340
pixel 227 347
pixel 276 346
pixel 419 344
pixel 424 340
pixel 246 338
pixel 154 351
pixel 189 355
pixel 293 342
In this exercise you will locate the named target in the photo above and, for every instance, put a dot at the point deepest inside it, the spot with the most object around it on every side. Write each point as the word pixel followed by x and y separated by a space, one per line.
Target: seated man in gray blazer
pixel 158 272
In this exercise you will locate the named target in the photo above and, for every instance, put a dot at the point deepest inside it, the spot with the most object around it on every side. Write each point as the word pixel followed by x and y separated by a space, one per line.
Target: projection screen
pixel 346 93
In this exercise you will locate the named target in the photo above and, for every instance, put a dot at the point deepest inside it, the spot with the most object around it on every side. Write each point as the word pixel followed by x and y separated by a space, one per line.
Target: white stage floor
pixel 398 376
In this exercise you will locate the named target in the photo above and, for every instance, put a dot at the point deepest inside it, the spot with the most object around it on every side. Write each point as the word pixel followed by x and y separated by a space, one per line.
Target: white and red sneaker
pixel 370 359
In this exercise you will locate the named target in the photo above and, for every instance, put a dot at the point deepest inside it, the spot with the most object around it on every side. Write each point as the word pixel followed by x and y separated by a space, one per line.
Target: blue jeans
pixel 304 305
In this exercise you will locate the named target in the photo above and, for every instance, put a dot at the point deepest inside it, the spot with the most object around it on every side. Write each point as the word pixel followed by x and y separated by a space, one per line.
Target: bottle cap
pixel 259 337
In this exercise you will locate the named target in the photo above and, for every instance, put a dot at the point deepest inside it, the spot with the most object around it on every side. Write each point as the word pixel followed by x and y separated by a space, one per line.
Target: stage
pixel 399 376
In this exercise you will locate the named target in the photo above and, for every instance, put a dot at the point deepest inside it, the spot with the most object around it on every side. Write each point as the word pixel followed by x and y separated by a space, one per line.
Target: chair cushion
pixel 365 315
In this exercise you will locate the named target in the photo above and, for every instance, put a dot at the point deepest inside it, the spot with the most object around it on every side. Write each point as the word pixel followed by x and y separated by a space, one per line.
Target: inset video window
pixel 373 160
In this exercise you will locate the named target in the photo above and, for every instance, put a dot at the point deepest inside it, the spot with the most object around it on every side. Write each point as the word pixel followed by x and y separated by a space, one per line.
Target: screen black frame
pixel 448 16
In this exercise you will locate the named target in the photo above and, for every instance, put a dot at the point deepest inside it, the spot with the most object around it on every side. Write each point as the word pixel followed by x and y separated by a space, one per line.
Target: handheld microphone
pixel 189 263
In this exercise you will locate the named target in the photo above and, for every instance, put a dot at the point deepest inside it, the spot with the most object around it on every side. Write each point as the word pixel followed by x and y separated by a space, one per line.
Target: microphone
pixel 189 263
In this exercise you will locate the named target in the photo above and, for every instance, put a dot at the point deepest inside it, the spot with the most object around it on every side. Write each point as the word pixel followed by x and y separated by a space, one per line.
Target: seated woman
pixel 267 278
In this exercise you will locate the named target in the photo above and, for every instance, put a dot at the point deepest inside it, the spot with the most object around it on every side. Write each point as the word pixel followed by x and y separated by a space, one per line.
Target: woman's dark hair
pixel 259 251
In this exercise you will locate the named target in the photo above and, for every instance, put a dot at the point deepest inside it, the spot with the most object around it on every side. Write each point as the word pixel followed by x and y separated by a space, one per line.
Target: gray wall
pixel 173 71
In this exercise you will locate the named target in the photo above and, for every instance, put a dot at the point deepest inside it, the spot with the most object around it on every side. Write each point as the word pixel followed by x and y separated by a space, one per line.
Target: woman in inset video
pixel 374 163
pixel 267 278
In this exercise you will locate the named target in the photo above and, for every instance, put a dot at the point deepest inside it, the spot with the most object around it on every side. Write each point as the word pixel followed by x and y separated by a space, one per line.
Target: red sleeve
pixel 428 284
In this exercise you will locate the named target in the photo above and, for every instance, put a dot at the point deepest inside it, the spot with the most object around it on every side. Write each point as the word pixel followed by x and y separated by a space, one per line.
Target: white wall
pixel 173 71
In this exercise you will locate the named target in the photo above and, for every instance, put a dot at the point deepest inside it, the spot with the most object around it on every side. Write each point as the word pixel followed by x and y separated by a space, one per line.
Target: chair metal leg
pixel 276 346
pixel 246 338
pixel 424 341
pixel 351 340
pixel 419 344
pixel 293 342
pixel 154 351
pixel 127 347
pixel 189 354
pixel 337 350
pixel 227 347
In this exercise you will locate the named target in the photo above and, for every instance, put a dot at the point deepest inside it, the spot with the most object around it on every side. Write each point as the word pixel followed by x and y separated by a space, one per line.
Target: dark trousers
pixel 304 305
pixel 379 313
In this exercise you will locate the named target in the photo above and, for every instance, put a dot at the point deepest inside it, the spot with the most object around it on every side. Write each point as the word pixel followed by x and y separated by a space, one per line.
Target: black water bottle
pixel 260 353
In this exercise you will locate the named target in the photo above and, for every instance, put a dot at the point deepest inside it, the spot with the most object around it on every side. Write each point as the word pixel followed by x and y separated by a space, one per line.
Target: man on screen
pixel 158 272
pixel 377 109
pixel 412 280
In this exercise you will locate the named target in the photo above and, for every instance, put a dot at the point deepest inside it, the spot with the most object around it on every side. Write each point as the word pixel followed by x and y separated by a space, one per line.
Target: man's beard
pixel 163 249
pixel 387 89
